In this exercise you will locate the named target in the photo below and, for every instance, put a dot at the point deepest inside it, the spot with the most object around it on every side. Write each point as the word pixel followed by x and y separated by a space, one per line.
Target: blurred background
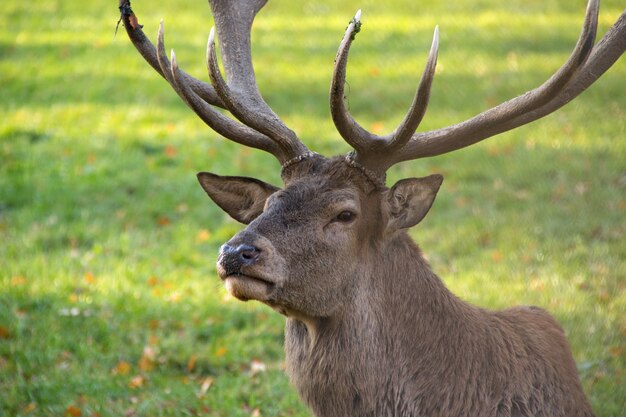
pixel 109 300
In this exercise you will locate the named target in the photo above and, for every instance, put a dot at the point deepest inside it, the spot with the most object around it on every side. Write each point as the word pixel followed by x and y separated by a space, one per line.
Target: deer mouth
pixel 248 287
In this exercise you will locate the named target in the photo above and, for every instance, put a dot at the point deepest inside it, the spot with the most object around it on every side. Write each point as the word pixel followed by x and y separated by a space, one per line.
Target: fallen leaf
pixel 256 366
pixel 174 297
pixel 204 387
pixel 90 278
pixel 122 368
pixel 604 296
pixel 617 351
pixel 203 236
pixel 4 333
pixel 136 382
pixel 18 280
pixel 163 221
pixel 191 363
pixel 581 188
pixel 148 359
pixel 170 151
pixel 537 285
pixel 30 408
pixel 73 411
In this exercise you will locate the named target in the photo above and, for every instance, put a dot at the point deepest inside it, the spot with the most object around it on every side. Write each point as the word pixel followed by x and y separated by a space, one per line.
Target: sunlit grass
pixel 108 246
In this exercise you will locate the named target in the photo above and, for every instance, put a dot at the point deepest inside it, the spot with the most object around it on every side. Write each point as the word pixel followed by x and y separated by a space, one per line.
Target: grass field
pixel 109 300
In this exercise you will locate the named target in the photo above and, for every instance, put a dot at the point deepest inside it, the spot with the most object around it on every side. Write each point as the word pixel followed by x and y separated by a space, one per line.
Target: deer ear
pixel 241 197
pixel 408 201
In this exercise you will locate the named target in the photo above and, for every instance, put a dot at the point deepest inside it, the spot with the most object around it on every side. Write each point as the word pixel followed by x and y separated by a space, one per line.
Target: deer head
pixel 299 238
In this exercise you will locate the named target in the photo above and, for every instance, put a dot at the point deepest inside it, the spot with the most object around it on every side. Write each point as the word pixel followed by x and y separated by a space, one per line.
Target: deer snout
pixel 232 258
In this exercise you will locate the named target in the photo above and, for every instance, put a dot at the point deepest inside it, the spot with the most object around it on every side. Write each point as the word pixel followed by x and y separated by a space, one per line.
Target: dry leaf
pixel 136 382
pixel 90 278
pixel 537 285
pixel 145 364
pixel 203 236
pixel 617 351
pixel 204 387
pixel 170 151
pixel 148 358
pixel 191 364
pixel 163 221
pixel 256 366
pixel 153 340
pixel 174 297
pixel 132 19
pixel 30 408
pixel 4 333
pixel 73 411
pixel 18 280
pixel 122 368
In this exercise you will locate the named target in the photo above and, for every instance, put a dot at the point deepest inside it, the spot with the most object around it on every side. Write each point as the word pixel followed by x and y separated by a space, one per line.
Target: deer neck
pixel 399 301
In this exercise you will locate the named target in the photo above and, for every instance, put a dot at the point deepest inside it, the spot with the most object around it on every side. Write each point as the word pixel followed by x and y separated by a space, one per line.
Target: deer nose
pixel 233 258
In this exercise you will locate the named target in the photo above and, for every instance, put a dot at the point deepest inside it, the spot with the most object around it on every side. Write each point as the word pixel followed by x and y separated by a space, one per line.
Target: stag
pixel 370 329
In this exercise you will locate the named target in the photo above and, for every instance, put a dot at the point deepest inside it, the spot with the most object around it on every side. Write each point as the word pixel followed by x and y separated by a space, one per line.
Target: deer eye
pixel 345 216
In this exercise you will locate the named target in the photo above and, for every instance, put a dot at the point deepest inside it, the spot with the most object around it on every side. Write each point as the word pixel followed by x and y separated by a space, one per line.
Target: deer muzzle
pixel 249 269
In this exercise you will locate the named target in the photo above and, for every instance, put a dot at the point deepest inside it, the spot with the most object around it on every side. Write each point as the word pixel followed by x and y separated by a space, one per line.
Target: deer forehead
pixel 312 197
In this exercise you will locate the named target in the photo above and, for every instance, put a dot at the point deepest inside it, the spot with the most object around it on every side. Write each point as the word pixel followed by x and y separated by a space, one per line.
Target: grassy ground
pixel 109 300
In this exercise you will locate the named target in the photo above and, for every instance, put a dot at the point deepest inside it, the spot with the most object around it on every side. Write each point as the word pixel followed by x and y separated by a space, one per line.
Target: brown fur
pixel 371 330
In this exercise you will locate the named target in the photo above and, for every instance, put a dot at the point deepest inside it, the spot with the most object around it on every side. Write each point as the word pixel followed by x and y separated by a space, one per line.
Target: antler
pixel 585 65
pixel 261 128
pixel 369 146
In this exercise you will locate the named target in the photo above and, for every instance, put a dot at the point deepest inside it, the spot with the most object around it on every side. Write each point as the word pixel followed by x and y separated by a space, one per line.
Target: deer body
pixel 423 352
pixel 371 331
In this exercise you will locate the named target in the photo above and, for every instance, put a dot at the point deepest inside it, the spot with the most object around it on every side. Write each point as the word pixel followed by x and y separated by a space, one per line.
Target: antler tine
pixel 240 94
pixel 586 64
pixel 149 53
pixel 414 117
pixel 223 125
pixel 266 123
pixel 214 119
pixel 351 131
pixel 372 151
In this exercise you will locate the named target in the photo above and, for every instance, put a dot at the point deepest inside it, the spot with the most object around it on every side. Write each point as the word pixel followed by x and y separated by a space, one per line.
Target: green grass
pixel 109 300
